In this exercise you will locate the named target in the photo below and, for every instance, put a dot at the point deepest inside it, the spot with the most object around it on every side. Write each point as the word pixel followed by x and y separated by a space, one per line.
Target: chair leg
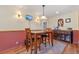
pixel 26 45
pixel 31 49
pixel 39 45
pixel 45 42
pixel 52 42
pixel 36 48
pixel 39 48
pixel 27 48
pixel 42 40
pixel 49 41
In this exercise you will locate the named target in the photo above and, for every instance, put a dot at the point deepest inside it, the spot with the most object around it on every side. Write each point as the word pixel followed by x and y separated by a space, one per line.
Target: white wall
pixel 73 24
pixel 8 21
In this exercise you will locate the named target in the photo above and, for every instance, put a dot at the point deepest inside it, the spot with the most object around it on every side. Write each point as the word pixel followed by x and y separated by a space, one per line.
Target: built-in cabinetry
pixel 64 35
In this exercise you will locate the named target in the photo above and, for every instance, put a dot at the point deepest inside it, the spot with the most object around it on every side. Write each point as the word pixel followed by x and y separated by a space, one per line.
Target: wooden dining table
pixel 38 33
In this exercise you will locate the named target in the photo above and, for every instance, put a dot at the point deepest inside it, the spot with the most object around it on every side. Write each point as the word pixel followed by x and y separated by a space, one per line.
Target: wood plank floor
pixel 69 49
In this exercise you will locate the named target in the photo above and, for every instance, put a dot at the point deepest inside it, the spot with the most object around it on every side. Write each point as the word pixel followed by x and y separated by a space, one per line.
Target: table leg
pixel 35 43
pixel 51 38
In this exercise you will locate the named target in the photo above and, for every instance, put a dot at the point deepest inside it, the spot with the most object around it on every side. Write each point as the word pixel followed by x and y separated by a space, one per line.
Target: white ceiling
pixel 36 10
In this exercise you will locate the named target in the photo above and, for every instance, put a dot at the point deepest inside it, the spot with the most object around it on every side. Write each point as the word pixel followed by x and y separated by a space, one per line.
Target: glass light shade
pixel 43 17
pixel 18 15
pixel 37 20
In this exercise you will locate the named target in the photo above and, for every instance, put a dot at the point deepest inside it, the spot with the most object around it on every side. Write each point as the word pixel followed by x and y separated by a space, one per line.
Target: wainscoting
pixel 11 39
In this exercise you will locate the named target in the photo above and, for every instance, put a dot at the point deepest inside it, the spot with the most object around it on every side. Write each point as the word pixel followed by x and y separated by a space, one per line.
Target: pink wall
pixel 8 39
pixel 75 36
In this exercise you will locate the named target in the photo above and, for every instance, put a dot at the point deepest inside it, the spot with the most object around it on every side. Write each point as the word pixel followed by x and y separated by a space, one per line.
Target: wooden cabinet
pixel 64 35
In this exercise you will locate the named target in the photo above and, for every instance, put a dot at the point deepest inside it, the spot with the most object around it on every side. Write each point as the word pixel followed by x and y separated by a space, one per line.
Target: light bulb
pixel 18 15
pixel 37 20
pixel 43 17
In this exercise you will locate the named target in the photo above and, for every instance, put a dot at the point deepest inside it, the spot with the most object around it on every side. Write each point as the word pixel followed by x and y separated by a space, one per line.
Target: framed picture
pixel 68 20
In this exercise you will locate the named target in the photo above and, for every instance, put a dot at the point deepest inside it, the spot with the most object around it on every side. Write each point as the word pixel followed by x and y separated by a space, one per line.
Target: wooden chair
pixel 50 35
pixel 27 39
pixel 30 41
pixel 45 36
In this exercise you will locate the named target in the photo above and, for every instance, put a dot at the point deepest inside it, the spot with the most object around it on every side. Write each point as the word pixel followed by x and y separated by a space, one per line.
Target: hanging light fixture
pixel 18 15
pixel 43 17
pixel 37 20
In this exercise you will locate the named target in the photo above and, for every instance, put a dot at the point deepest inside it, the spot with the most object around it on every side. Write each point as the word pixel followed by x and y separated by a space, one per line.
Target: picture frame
pixel 68 20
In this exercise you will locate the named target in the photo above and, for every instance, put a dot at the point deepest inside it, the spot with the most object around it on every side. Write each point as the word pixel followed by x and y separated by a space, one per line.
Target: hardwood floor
pixel 69 49
pixel 13 50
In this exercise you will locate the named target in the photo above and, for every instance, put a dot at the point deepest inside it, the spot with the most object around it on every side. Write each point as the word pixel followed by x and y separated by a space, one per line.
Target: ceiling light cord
pixel 43 16
pixel 43 9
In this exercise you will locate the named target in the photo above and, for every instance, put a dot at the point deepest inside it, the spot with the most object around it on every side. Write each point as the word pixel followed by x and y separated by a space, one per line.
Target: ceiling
pixel 36 10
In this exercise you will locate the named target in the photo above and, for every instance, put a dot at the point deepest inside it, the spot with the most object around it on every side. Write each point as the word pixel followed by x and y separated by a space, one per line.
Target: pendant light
pixel 43 17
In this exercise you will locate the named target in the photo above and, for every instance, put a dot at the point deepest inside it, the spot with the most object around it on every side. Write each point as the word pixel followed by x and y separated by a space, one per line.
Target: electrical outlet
pixel 17 42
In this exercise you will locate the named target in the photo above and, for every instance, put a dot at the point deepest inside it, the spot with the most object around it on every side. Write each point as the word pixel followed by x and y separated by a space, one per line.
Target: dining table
pixel 38 33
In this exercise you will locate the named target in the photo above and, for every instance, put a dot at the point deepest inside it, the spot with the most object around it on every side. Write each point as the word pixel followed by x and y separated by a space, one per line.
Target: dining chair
pixel 45 36
pixel 27 39
pixel 30 42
